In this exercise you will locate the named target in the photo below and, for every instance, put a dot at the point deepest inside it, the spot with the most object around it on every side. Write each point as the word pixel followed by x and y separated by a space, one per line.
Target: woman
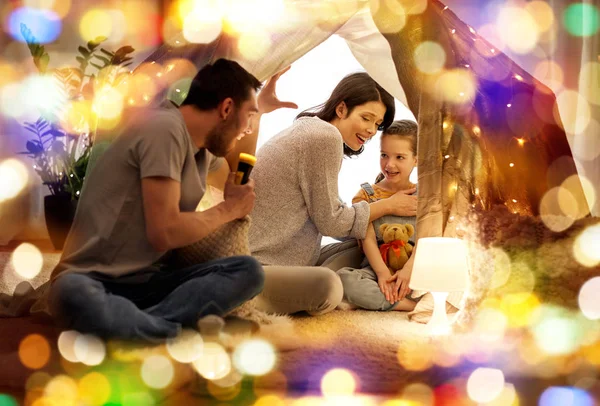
pixel 297 201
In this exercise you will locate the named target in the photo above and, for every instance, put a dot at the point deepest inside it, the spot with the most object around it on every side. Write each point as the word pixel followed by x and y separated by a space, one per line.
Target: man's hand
pixel 239 199
pixel 402 203
pixel 267 98
pixel 400 280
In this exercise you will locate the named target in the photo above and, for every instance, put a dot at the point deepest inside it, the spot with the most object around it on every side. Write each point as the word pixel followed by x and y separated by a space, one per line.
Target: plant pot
pixel 59 211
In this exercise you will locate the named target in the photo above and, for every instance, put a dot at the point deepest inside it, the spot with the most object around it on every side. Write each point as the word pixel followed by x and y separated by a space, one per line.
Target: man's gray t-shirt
pixel 108 234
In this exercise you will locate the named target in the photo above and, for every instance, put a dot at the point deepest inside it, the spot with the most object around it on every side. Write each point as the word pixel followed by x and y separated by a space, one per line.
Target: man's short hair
pixel 218 81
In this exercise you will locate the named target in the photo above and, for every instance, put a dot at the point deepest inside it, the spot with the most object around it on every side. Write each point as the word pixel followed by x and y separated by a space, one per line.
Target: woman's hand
pixel 403 203
pixel 267 98
pixel 400 280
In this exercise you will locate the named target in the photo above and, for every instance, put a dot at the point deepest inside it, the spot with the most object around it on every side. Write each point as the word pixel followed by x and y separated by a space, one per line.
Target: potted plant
pixel 61 139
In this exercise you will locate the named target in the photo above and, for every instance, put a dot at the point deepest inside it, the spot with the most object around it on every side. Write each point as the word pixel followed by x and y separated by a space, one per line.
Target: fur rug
pixel 514 254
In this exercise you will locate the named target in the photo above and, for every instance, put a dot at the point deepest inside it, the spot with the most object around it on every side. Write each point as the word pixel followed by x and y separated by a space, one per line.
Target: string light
pixel 446 156
pixel 467 65
pixel 493 50
pixel 514 200
pixel 509 105
pixel 445 125
pixel 519 77
pixel 472 30
pixel 521 141
pixel 476 130
pixel 511 164
pixel 453 30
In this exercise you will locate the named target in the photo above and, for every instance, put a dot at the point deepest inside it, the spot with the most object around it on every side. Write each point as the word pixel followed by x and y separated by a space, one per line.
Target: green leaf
pixel 103 59
pixel 96 66
pixel 83 51
pixel 108 53
pixel 42 63
pixel 80 59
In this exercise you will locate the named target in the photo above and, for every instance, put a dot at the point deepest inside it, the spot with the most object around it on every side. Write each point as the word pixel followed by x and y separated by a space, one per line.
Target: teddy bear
pixel 396 249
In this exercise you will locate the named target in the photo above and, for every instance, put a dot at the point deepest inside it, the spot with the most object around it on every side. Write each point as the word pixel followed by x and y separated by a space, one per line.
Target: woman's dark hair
pixel 214 83
pixel 406 129
pixel 354 90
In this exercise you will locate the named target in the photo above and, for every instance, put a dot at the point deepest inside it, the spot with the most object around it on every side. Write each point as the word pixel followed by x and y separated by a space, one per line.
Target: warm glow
pixel 589 81
pixel 157 371
pixel 78 116
pixel 27 260
pixel 13 178
pixel 89 349
pixel 580 143
pixel 95 23
pixel 204 24
pixel 108 103
pixel 430 57
pixel 412 359
pixel 186 347
pixel 589 300
pixel 490 325
pixel 519 308
pixel 508 397
pixel 485 384
pixel 246 16
pixel 338 382
pixel 418 393
pixel 550 73
pixel 270 400
pixel 214 362
pixel 254 357
pixel 34 351
pixel 94 389
pixel 556 331
pixel 523 36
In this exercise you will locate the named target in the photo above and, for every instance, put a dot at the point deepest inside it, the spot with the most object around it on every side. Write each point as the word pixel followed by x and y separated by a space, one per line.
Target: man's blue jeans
pixel 152 305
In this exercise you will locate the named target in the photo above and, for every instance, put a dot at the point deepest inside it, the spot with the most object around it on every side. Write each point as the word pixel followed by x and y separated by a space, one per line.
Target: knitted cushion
pixel 228 240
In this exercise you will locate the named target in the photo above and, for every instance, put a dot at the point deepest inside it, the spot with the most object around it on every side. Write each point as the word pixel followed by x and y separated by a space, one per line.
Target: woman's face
pixel 361 124
pixel 397 159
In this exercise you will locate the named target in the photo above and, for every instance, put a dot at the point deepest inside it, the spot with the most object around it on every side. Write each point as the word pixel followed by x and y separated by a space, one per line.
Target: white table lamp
pixel 441 266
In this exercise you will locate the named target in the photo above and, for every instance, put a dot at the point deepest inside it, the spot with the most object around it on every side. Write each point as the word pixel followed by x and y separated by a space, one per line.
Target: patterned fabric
pixel 228 240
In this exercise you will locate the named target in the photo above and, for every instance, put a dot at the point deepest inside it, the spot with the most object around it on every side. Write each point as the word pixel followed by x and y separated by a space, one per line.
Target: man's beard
pixel 219 141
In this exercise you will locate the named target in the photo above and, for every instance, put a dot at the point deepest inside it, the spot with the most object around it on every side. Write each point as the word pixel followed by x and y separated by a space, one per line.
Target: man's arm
pixel 168 228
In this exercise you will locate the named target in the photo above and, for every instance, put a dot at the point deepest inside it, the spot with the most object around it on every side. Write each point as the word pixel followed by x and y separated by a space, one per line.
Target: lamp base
pixel 438 325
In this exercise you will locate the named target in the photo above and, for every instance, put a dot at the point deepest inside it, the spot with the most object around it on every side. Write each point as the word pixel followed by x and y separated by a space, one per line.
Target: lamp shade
pixel 441 265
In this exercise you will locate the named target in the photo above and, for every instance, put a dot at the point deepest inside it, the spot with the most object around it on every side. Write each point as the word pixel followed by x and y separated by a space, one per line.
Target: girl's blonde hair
pixel 406 129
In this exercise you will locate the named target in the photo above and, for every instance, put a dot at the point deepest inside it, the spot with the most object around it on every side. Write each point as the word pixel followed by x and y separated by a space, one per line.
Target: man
pixel 139 203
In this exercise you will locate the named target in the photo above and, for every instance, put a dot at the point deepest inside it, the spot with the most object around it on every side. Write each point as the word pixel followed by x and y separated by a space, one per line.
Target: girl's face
pixel 361 124
pixel 397 159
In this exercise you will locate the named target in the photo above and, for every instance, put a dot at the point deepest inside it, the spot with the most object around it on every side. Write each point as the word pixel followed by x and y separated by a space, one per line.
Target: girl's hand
pixel 401 279
pixel 267 98
pixel 386 288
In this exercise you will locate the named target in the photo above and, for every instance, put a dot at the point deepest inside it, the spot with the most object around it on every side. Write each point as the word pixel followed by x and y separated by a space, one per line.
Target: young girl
pixel 373 287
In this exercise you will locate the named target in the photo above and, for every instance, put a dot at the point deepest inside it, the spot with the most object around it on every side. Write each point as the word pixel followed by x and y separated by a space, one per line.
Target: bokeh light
pixel 34 351
pixel 137 399
pixel 585 248
pixel 582 20
pixel 89 349
pixel 589 299
pixel 108 103
pixel 523 35
pixel 243 16
pixel 45 25
pixel 556 331
pixel 419 393
pixel 389 14
pixel 7 400
pixel 519 308
pixel 177 69
pixel 186 347
pixel 157 371
pixel 338 382
pixel 35 94
pixel 27 260
pixel 62 390
pixel 549 73
pixel 542 13
pixel 485 384
pixel 412 359
pixel 501 267
pixel 508 397
pixel 565 396
pixel 254 357
pixel 586 146
pixel 430 57
pixel 551 211
pixel 95 23
pixel 214 362
pixel 204 24
pixel 66 345
pixel 273 382
pixel 456 86
pixel 94 389
pixel 573 110
pixel 13 178
pixel 270 400
pixel 179 90
pixel 224 393
pixel 491 34
pixel 77 117
pixel 582 190
pixel 589 81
